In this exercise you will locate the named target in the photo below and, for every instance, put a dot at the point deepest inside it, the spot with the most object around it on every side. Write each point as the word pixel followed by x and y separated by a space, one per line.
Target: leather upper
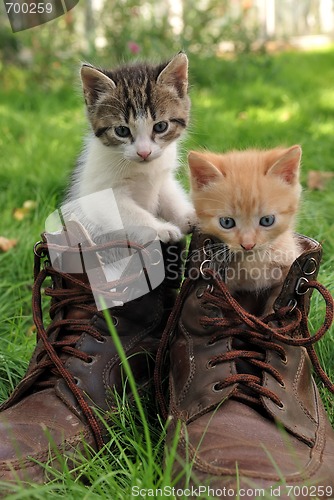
pixel 225 425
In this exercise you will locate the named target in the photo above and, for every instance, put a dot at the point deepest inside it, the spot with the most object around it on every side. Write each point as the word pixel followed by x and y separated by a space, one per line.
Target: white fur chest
pixel 144 188
pixel 102 168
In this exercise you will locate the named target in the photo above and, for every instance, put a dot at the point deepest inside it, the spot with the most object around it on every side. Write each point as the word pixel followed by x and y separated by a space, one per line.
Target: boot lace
pixel 60 337
pixel 288 325
pixel 254 336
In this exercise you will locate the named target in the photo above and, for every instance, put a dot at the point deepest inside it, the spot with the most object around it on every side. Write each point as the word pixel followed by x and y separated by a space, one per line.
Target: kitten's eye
pixel 267 220
pixel 227 222
pixel 160 127
pixel 122 131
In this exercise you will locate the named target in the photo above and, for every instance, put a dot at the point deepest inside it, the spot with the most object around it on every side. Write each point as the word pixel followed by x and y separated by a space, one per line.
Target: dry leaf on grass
pixel 317 180
pixel 31 330
pixel 19 214
pixel 28 206
pixel 6 244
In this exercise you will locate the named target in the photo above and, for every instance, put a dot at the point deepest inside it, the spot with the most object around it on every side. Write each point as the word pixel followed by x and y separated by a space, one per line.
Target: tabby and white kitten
pixel 249 200
pixel 137 113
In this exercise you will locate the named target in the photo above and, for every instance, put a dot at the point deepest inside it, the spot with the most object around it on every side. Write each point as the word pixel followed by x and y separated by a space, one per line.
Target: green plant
pixel 252 100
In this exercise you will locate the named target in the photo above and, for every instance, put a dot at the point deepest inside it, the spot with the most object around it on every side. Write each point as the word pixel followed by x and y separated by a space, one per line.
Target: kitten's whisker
pixel 223 255
pixel 221 250
pixel 122 166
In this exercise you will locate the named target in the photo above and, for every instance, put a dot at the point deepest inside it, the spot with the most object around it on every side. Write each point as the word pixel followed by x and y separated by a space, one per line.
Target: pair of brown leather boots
pixel 239 384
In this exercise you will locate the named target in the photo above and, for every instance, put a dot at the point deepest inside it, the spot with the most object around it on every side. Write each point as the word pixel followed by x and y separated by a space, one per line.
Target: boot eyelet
pixel 206 327
pixel 292 304
pixel 115 321
pixel 216 387
pixel 310 267
pixel 281 406
pixel 204 265
pixel 77 381
pixel 36 245
pixel 284 359
pixel 282 385
pixel 200 292
pixel 301 283
pixel 102 340
pixel 90 360
pixel 40 253
pixel 209 365
pixel 207 243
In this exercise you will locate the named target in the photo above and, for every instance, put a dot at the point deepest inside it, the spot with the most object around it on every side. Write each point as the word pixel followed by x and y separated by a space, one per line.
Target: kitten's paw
pixel 168 232
pixel 188 221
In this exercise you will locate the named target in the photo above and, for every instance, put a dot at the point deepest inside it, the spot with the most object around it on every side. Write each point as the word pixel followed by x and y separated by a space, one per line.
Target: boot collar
pixel 206 251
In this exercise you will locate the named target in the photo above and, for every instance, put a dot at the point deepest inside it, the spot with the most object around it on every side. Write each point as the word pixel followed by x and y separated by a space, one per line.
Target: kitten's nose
pixel 248 246
pixel 144 154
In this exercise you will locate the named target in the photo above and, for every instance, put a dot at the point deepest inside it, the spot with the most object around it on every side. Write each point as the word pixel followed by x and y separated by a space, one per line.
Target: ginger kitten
pixel 249 201
pixel 136 113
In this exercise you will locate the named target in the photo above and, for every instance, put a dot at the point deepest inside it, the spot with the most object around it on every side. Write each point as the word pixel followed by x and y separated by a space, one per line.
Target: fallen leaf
pixel 6 244
pixel 243 115
pixel 317 180
pixel 31 330
pixel 19 213
pixel 28 206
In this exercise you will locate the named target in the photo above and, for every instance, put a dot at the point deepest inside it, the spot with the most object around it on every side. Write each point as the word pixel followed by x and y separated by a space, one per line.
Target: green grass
pixel 261 101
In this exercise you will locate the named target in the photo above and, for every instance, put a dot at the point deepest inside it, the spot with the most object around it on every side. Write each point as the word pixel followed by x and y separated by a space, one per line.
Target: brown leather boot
pixel 241 386
pixel 76 368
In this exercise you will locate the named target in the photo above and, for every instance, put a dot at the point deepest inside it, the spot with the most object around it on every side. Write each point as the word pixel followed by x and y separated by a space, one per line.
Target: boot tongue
pixel 253 303
pixel 75 312
pixel 207 251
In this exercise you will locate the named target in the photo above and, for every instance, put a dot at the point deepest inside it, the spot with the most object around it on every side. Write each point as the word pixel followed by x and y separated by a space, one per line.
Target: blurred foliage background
pixel 112 31
pixel 251 86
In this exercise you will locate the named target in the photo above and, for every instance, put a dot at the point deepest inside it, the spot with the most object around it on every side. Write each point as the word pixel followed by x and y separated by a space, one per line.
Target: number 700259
pixel 28 8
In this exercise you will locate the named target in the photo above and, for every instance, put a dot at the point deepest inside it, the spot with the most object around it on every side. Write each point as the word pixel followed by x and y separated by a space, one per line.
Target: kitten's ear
pixel 94 82
pixel 202 171
pixel 176 73
pixel 287 167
